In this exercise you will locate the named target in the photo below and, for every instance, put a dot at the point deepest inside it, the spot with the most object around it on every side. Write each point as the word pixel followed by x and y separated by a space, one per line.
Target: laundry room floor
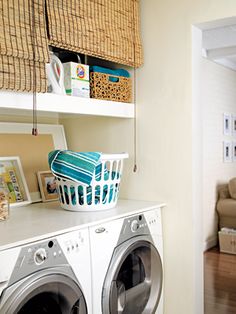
pixel 219 282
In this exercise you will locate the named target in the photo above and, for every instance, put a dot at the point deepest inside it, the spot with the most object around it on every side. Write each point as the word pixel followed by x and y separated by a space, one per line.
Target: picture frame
pixel 227 151
pixel 234 151
pixel 227 124
pixel 234 125
pixel 12 181
pixel 55 130
pixel 47 186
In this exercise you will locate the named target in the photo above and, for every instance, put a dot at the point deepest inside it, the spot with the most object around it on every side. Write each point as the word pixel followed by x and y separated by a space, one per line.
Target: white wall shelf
pixel 53 103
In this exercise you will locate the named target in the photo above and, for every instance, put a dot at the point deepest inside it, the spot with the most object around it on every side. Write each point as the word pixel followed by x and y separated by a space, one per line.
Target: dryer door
pixel 133 282
pixel 45 292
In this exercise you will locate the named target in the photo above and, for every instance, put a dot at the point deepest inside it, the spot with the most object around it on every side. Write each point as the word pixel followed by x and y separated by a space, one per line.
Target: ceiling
pixel 219 41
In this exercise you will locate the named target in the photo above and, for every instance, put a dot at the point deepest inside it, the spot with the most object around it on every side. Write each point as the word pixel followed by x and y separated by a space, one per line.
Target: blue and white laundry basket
pixel 87 181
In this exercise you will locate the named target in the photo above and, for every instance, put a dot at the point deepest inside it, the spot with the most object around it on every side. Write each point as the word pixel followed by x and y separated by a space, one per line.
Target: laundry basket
pixel 103 191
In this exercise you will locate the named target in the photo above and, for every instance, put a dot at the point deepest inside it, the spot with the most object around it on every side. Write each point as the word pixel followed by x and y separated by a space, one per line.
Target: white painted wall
pixel 166 140
pixel 218 96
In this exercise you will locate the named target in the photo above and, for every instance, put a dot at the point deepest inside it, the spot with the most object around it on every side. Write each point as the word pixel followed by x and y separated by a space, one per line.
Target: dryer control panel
pixel 147 223
pixel 132 226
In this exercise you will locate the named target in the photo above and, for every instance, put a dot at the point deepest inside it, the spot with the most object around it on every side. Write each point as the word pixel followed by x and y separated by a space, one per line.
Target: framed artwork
pixel 16 140
pixel 227 151
pixel 227 123
pixel 12 181
pixel 234 125
pixel 234 151
pixel 47 186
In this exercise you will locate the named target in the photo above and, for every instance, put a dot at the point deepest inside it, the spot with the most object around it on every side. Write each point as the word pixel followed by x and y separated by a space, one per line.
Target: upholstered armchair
pixel 226 205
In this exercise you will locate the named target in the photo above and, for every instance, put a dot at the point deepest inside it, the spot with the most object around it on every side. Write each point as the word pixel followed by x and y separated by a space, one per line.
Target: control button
pixel 54 254
pixel 59 252
pixel 40 256
pixel 134 226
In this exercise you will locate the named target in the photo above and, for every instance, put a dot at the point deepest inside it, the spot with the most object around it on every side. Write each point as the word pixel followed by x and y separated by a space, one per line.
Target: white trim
pixel 57 131
pixel 197 173
pixel 209 243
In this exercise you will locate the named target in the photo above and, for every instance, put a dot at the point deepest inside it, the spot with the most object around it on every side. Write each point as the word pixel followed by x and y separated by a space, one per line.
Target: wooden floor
pixel 220 282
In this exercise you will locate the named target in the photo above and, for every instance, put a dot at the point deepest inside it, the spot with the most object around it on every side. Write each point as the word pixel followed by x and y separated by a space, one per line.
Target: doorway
pixel 214 95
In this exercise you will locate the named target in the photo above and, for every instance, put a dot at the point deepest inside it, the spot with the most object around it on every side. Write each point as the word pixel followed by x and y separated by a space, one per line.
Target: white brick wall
pixel 218 97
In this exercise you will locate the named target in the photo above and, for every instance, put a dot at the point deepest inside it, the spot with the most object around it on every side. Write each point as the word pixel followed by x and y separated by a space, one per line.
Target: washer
pixel 127 272
pixel 49 276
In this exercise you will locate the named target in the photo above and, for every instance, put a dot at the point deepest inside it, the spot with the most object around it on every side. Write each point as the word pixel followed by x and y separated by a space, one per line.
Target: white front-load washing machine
pixel 48 276
pixel 127 272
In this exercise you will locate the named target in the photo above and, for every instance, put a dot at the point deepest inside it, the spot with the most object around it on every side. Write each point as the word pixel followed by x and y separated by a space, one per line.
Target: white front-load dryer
pixel 127 272
pixel 51 276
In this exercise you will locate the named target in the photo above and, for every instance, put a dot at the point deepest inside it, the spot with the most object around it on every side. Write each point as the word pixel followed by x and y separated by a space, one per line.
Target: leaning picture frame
pixel 12 181
pixel 47 186
pixel 59 142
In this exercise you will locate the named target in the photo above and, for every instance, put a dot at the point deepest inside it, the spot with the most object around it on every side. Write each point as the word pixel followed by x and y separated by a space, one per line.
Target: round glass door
pixel 47 294
pixel 134 281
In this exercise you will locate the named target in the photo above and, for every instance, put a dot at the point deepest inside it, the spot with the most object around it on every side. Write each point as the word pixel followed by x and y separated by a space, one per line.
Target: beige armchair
pixel 226 205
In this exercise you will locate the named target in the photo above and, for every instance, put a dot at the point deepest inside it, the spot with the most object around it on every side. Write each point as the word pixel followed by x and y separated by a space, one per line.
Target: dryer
pixel 49 276
pixel 127 272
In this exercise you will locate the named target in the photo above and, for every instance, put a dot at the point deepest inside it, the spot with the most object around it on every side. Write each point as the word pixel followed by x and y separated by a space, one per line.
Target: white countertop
pixel 42 220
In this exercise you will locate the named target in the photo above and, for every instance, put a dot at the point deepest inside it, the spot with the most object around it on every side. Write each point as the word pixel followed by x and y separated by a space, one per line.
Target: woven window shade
pixel 107 29
pixel 18 57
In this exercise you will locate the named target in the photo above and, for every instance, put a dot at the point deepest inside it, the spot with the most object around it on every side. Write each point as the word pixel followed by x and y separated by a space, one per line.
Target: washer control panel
pixel 40 256
pixel 37 256
pixel 72 244
pixel 134 225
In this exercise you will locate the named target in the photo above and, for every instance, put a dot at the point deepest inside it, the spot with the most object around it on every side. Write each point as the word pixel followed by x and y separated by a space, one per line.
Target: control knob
pixel 40 256
pixel 134 225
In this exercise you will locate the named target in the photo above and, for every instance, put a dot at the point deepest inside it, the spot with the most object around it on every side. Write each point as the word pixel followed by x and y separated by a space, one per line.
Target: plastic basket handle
pixel 114 156
pixel 113 79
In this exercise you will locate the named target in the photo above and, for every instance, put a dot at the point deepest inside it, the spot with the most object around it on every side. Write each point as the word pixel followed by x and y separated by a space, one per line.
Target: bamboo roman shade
pixel 107 29
pixel 22 25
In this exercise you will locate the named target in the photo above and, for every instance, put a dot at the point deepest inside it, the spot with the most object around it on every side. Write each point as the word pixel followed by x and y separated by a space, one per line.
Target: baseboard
pixel 209 243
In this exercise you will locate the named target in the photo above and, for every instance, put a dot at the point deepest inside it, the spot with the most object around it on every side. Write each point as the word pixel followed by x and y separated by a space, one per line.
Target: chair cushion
pixel 226 207
pixel 232 188
pixel 223 191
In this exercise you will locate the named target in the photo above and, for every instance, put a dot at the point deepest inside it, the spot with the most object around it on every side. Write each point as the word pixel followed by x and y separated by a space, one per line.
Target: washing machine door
pixel 133 283
pixel 46 292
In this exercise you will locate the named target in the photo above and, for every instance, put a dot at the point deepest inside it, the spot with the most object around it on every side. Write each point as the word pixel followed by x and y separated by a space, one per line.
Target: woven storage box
pixel 227 242
pixel 102 87
pixel 101 194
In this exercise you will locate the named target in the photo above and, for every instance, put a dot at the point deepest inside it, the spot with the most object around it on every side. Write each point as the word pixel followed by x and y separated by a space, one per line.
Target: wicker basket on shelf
pixel 110 87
